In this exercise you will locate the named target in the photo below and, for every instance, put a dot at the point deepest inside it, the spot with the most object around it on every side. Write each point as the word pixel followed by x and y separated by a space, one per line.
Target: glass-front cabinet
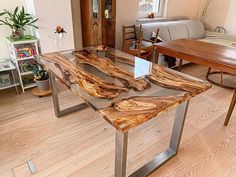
pixel 108 9
pixel 98 22
pixel 95 8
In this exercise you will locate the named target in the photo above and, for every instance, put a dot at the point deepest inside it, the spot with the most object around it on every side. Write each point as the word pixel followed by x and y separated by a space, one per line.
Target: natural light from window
pixel 150 6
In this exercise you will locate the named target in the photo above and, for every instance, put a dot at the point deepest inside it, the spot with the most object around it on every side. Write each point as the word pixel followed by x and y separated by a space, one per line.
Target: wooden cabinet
pixel 98 19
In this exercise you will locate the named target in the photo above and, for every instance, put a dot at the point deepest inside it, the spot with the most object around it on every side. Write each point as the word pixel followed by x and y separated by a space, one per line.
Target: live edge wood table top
pixel 203 53
pixel 126 90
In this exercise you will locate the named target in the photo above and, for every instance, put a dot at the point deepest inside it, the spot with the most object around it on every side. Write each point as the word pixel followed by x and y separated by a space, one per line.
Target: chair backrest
pixel 132 38
pixel 129 35
pixel 129 32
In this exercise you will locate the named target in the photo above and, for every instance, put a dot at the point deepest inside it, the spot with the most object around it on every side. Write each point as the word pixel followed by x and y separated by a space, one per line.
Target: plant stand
pixel 22 52
pixel 39 93
pixel 8 67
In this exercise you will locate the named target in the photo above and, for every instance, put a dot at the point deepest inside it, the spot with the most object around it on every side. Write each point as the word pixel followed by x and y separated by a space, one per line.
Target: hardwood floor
pixel 82 144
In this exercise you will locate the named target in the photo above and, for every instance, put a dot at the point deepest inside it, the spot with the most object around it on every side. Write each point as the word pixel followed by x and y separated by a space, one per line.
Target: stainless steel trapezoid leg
pixel 178 126
pixel 169 153
pixel 121 153
pixel 58 112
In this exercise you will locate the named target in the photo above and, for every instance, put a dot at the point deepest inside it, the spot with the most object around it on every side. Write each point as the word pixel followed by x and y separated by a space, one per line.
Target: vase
pixel 17 33
pixel 59 38
pixel 43 85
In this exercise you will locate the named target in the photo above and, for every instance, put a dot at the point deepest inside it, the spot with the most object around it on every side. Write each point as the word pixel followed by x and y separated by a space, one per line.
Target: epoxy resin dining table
pixel 127 91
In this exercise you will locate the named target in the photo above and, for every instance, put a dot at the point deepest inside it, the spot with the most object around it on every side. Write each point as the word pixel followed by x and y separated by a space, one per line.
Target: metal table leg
pixel 159 160
pixel 121 153
pixel 58 112
pixel 231 109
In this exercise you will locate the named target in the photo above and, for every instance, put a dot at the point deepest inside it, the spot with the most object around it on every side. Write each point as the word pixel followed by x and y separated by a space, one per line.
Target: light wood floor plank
pixel 82 144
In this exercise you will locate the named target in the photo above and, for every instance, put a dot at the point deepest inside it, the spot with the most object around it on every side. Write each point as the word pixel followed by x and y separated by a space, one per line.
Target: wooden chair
pixel 154 40
pixel 132 43
pixel 129 36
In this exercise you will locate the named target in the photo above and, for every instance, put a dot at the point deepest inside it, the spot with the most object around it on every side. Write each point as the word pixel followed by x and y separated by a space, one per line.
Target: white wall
pixel 216 13
pixel 230 23
pixel 126 14
pixel 52 13
pixel 5 30
pixel 182 8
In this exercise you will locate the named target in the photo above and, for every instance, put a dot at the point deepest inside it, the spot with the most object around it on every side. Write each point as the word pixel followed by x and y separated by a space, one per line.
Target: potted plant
pixel 17 21
pixel 41 76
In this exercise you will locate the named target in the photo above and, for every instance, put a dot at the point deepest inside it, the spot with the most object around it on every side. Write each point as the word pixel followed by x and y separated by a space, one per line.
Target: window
pixel 150 6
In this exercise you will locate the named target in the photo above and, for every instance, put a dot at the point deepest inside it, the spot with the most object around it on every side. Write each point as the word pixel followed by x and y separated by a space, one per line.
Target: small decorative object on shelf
pixel 25 52
pixel 22 52
pixel 5 80
pixel 151 15
pixel 8 75
pixel 17 21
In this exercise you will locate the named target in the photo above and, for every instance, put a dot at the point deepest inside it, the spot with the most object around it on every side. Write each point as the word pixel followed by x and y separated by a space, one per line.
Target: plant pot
pixel 17 33
pixel 43 85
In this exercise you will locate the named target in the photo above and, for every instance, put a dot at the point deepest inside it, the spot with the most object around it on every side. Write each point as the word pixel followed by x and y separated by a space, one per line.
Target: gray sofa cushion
pixel 195 28
pixel 177 30
pixel 148 28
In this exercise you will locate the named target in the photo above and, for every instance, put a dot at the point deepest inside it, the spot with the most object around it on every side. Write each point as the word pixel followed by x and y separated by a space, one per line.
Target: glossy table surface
pixel 125 89
pixel 203 53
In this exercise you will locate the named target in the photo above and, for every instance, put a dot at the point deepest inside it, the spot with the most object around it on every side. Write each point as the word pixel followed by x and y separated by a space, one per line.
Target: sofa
pixel 194 29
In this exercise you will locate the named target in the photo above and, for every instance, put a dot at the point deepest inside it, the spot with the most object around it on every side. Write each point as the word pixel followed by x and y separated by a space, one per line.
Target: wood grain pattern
pixel 106 66
pixel 91 84
pixel 73 69
pixel 166 79
pixel 134 111
pixel 215 56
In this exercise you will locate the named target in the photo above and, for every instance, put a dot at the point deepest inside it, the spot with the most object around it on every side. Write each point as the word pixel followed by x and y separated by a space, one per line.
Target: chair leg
pixel 180 65
pixel 208 72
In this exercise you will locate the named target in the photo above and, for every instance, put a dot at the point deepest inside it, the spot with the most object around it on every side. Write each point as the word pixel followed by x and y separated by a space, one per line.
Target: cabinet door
pixel 96 31
pixel 109 22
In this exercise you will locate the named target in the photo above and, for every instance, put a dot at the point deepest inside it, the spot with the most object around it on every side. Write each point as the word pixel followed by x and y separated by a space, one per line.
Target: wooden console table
pixel 214 56
pixel 127 91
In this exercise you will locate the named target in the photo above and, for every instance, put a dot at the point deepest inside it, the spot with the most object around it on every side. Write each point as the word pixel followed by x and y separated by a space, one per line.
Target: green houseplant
pixel 41 76
pixel 17 21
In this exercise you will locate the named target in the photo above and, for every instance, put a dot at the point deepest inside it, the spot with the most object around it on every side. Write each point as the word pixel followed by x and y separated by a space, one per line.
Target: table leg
pixel 58 112
pixel 159 160
pixel 121 153
pixel 231 108
pixel 156 56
